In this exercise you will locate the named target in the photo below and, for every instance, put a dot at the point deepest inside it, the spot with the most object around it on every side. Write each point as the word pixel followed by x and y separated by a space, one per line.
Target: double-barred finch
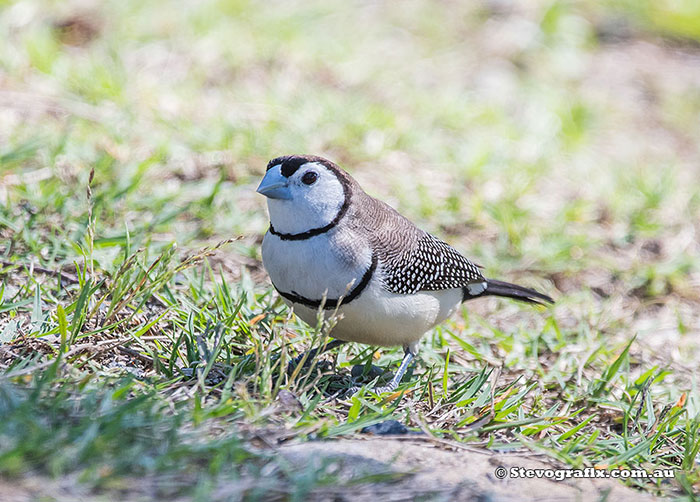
pixel 330 245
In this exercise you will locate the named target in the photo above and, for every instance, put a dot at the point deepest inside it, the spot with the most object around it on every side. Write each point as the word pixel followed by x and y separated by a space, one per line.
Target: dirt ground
pixel 395 468
pixel 443 472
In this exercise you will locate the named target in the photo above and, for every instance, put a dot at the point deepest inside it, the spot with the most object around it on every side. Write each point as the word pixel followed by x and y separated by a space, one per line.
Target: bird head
pixel 303 192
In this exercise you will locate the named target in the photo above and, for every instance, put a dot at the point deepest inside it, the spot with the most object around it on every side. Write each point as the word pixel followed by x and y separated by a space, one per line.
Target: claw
pixel 351 391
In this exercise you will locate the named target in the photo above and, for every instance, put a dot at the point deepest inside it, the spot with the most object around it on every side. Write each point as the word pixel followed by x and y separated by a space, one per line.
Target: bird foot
pixel 384 388
pixel 394 383
pixel 377 390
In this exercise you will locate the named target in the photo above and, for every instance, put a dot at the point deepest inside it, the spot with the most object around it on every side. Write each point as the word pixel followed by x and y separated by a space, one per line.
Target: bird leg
pixel 408 356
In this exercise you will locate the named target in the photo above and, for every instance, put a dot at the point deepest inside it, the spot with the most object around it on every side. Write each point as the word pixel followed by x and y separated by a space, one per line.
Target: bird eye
pixel 309 177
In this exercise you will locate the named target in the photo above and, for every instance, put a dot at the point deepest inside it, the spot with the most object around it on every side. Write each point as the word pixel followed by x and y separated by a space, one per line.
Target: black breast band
pixel 332 303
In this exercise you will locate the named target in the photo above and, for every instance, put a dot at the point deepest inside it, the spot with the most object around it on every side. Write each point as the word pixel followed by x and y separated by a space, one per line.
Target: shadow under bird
pixel 330 245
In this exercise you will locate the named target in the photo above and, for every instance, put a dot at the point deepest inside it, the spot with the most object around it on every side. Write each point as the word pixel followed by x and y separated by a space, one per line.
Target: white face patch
pixel 312 205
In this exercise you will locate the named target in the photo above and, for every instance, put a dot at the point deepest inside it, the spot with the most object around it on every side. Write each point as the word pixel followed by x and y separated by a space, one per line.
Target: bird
pixel 331 247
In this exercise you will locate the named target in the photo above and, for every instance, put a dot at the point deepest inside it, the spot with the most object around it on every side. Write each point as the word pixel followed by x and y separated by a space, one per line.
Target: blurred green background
pixel 560 137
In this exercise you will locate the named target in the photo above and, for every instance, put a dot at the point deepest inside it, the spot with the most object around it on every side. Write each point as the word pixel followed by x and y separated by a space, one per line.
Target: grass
pixel 142 348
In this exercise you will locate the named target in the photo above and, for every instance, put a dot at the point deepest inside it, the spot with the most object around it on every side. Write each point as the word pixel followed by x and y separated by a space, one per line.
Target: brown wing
pixel 412 260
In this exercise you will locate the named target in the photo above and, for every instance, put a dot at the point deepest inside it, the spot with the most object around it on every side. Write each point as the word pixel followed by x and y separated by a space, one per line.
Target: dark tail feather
pixel 508 290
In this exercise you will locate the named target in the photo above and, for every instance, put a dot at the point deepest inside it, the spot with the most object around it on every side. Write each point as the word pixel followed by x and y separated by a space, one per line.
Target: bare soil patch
pixel 443 474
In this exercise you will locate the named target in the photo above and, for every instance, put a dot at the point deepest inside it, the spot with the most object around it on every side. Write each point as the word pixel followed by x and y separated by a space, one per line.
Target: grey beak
pixel 274 185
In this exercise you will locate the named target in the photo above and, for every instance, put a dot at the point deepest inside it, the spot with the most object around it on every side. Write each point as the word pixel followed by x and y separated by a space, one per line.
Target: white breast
pixel 378 317
pixel 328 264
